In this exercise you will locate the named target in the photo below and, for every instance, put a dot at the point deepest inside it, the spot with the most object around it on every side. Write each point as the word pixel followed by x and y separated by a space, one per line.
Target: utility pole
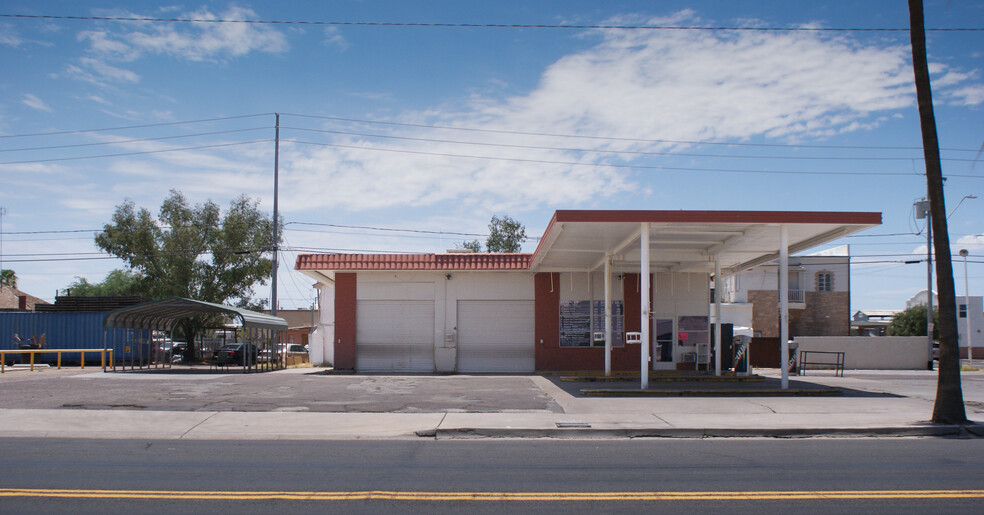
pixel 276 216
pixel 3 211
pixel 949 406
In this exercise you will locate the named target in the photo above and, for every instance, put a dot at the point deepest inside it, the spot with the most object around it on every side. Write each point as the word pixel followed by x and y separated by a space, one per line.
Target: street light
pixel 965 197
pixel 970 348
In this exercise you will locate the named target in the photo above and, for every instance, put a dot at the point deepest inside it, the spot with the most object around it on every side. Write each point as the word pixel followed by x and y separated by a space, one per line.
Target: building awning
pixel 164 314
pixel 687 241
pixel 578 241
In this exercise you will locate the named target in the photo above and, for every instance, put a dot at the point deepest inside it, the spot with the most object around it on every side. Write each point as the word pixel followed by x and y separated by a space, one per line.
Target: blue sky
pixel 439 128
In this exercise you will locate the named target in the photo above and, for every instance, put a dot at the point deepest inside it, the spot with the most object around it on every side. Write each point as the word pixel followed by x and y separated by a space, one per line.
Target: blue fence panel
pixel 72 331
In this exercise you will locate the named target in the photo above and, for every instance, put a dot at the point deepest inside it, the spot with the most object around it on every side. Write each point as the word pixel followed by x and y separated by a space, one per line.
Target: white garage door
pixel 495 336
pixel 394 336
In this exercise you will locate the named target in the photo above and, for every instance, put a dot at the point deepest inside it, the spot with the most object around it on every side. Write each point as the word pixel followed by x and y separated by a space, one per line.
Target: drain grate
pixel 573 425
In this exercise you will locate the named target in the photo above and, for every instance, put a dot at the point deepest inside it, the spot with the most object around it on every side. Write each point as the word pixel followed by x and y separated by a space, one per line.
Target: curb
pixel 697 433
pixel 665 379
pixel 613 392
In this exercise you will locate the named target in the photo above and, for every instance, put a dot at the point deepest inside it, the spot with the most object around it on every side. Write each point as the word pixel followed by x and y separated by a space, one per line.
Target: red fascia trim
pixel 758 217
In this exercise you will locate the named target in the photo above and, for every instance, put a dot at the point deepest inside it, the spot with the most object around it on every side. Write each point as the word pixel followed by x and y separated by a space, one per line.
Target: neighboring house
pixel 14 299
pixel 819 296
pixel 300 324
pixel 872 322
pixel 547 311
pixel 967 307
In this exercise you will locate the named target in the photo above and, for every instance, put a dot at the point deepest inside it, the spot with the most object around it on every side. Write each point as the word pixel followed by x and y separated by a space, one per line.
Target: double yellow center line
pixel 492 496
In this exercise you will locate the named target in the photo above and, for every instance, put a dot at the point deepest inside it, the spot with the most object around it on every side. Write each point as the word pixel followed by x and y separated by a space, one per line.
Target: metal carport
pixel 260 329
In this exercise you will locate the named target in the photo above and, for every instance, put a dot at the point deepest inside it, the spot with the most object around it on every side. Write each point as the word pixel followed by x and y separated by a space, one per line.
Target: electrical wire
pixel 614 138
pixel 123 142
pixel 477 25
pixel 127 127
pixel 613 165
pixel 145 152
pixel 606 151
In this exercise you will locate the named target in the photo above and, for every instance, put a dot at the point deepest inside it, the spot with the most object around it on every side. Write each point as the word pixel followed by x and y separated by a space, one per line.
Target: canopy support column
pixel 784 304
pixel 608 315
pixel 717 317
pixel 644 300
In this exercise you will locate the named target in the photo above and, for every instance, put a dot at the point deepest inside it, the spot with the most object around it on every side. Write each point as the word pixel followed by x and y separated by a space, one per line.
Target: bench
pixel 825 359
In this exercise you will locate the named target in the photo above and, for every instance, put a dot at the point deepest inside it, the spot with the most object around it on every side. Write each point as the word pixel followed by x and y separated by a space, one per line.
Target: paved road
pixel 473 476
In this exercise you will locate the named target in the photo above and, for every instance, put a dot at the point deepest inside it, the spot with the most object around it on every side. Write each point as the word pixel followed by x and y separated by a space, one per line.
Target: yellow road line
pixel 493 496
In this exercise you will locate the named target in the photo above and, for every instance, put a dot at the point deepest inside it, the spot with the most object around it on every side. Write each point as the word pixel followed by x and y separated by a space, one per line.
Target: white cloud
pixel 333 37
pixel 35 103
pixel 968 95
pixel 100 72
pixel 9 35
pixel 211 42
pixel 646 85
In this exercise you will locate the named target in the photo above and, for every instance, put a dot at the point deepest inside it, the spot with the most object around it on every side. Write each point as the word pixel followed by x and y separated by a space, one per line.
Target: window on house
pixel 825 281
pixel 963 311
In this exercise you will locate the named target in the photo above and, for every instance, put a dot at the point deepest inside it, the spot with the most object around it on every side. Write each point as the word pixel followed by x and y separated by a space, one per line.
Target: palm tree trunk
pixel 949 406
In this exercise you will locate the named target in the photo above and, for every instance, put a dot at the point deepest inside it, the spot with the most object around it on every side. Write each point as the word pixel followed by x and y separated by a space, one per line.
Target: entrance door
pixel 662 351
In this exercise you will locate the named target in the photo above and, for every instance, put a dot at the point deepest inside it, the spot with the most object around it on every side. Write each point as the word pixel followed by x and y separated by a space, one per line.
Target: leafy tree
pixel 505 235
pixel 116 283
pixel 8 278
pixel 474 245
pixel 912 322
pixel 194 252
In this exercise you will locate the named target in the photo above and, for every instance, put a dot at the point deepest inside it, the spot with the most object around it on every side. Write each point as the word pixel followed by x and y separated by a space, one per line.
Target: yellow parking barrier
pixel 32 352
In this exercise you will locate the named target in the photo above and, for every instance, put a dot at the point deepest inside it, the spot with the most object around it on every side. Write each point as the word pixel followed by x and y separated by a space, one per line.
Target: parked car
pixel 283 349
pixel 235 353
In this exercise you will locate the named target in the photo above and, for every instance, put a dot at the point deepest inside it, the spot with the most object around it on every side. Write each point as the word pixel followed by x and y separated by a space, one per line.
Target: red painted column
pixel 546 319
pixel 345 313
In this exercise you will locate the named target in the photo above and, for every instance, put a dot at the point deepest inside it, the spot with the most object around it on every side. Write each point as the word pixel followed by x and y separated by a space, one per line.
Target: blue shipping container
pixel 72 331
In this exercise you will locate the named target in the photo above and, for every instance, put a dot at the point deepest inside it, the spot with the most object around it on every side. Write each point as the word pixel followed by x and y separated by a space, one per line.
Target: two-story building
pixel 819 296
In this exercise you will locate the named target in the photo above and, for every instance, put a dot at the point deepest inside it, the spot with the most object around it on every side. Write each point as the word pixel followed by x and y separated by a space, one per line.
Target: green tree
pixel 912 322
pixel 116 283
pixel 194 252
pixel 8 278
pixel 505 235
pixel 474 245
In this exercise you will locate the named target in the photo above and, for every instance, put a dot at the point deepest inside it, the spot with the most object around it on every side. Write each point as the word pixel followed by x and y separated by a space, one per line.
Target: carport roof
pixel 163 314
pixel 681 241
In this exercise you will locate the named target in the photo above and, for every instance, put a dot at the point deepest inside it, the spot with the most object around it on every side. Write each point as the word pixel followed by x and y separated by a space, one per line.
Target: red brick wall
pixel 550 356
pixel 345 313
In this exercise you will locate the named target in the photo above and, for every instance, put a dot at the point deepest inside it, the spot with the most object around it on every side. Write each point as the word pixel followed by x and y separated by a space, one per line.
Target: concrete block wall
pixel 872 352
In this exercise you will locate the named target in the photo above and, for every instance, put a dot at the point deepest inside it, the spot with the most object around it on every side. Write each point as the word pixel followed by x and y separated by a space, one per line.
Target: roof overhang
pixel 679 241
pixel 687 241
pixel 164 314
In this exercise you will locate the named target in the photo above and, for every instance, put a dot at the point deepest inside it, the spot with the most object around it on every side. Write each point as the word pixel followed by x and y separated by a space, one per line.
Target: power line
pixel 606 151
pixel 127 127
pixel 123 142
pixel 613 165
pixel 615 138
pixel 421 231
pixel 124 154
pixel 478 25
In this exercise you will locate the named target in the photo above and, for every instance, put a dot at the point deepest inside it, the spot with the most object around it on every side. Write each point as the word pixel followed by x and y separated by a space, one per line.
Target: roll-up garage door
pixel 495 336
pixel 395 336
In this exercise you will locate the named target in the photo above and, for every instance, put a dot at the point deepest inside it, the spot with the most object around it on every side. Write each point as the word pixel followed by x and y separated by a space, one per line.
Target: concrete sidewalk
pixel 303 404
